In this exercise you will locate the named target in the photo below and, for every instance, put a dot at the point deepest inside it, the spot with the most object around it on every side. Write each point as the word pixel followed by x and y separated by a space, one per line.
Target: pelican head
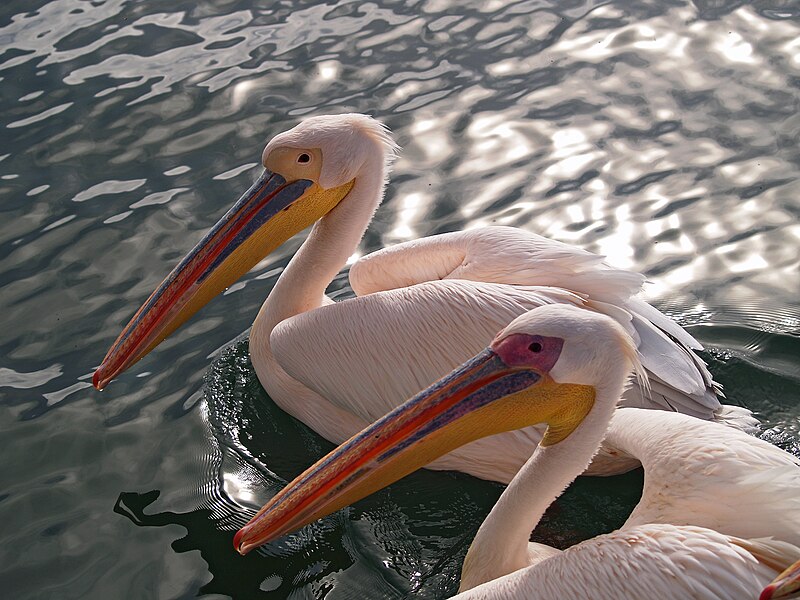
pixel 308 171
pixel 544 367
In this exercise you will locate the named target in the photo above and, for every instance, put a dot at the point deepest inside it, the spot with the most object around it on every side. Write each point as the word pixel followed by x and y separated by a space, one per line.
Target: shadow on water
pixel 408 539
pixel 230 571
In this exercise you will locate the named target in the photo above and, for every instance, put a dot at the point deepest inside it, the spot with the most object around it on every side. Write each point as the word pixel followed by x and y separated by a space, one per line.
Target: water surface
pixel 661 134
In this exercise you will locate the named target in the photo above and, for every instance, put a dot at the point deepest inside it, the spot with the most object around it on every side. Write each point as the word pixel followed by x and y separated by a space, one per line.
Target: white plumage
pixel 422 308
pixel 705 484
pixel 427 305
pixel 655 561
pixel 719 515
pixel 706 474
pixel 712 495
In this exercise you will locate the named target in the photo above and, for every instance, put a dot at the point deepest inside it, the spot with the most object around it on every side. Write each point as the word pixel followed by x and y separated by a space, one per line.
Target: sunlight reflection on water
pixel 663 135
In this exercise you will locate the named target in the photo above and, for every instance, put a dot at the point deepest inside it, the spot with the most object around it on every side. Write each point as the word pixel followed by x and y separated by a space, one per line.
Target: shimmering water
pixel 662 134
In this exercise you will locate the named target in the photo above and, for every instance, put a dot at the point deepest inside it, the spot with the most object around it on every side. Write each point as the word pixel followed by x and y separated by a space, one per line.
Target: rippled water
pixel 662 134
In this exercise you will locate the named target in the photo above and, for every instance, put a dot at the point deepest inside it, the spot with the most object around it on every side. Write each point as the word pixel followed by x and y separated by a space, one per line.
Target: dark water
pixel 662 134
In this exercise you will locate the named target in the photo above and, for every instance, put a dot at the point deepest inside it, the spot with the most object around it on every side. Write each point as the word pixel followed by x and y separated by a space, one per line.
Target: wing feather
pixel 369 354
pixel 652 561
pixel 706 474
pixel 515 257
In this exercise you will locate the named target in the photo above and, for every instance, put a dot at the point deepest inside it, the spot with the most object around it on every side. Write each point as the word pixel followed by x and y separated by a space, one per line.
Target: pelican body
pixel 719 515
pixel 435 302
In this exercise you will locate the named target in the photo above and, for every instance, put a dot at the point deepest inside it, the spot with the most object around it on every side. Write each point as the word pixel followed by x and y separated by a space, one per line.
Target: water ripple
pixel 663 135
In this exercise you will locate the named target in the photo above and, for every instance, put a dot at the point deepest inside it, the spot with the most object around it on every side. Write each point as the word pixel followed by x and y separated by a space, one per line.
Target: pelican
pixel 566 367
pixel 785 586
pixel 434 302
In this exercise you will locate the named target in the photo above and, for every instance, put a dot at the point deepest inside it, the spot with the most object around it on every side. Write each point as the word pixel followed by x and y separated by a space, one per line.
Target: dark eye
pixel 535 347
pixel 304 158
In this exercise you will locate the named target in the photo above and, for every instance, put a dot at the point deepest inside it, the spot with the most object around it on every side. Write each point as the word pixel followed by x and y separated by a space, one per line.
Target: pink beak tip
pixel 96 381
pixel 237 542
pixel 766 593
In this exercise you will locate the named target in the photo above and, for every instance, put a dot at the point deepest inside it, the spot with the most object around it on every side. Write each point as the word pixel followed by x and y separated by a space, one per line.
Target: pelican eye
pixel 535 347
pixel 304 158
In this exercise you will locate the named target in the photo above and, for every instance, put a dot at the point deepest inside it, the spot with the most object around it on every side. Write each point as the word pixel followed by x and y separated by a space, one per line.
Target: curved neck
pixel 501 544
pixel 333 239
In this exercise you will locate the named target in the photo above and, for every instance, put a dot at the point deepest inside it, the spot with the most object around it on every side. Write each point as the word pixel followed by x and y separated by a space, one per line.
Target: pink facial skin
pixel 535 352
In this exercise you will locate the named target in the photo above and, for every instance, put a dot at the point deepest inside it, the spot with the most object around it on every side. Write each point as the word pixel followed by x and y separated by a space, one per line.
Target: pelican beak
pixel 482 397
pixel 784 586
pixel 268 214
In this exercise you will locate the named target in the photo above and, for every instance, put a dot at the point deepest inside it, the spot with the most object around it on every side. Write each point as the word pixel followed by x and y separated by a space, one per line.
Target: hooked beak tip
pixel 237 542
pixel 767 592
pixel 96 382
pixel 100 379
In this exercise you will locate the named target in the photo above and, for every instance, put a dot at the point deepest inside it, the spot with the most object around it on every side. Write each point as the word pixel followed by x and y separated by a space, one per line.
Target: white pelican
pixel 566 367
pixel 785 586
pixel 434 302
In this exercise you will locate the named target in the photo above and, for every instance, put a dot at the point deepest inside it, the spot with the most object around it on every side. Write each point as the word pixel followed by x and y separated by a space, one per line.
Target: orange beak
pixel 268 214
pixel 482 397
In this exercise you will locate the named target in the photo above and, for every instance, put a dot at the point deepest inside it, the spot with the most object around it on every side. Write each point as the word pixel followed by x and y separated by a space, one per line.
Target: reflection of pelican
pixel 432 303
pixel 785 586
pixel 566 368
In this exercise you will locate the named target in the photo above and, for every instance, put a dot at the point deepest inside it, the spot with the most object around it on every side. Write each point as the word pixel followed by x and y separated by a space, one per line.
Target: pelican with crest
pixel 432 302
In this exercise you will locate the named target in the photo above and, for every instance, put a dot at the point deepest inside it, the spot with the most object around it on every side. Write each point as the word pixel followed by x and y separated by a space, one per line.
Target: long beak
pixel 482 397
pixel 268 214
pixel 784 586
